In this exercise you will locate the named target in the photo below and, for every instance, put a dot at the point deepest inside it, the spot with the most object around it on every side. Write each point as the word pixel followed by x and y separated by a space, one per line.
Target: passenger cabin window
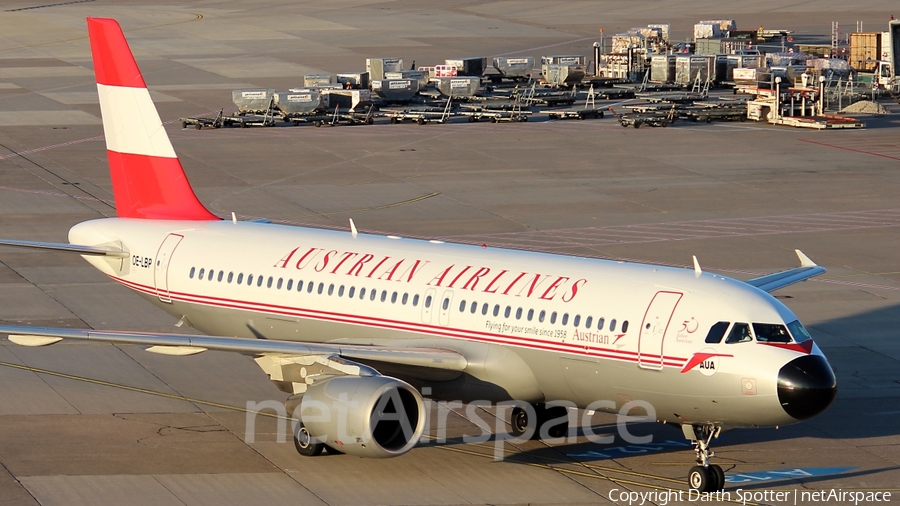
pixel 577 320
pixel 588 321
pixel 221 275
pixel 191 275
pixel 446 304
pixel 518 313
pixel 625 326
pixel 717 332
pixel 612 325
pixel 496 309
pixel 771 333
pixel 428 301
pixel 240 278
pixel 415 300
pixel 278 285
pixel 230 277
pixel 600 322
pixel 800 334
pixel 541 316
pixel 553 317
pixel 462 305
pixel 289 285
pixel 740 333
pixel 565 318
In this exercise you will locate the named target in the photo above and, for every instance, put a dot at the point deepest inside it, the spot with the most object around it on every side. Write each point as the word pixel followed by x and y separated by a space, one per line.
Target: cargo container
pixel 300 102
pixel 564 75
pixel 347 99
pixel 462 87
pixel 396 90
pixel 421 76
pixel 376 67
pixel 253 99
pixel 316 79
pixel 623 41
pixel 724 25
pixel 664 30
pixel 514 68
pixel 719 46
pixel 563 70
pixel 469 67
pixel 662 68
pixel 706 31
pixel 865 50
pixel 689 67
pixel 353 80
pixel 563 60
pixel 726 66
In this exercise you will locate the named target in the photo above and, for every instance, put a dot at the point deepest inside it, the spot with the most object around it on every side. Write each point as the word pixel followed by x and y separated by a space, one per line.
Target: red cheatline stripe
pixel 619 355
pixel 114 64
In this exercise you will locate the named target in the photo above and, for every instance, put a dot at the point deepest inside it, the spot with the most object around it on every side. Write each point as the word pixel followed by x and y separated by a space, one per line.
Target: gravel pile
pixel 866 107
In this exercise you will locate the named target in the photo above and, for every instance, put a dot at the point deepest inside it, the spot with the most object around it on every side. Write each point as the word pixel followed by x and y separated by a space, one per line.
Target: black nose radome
pixel 806 386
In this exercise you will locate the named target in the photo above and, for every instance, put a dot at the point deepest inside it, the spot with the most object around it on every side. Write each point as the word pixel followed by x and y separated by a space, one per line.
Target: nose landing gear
pixel 705 476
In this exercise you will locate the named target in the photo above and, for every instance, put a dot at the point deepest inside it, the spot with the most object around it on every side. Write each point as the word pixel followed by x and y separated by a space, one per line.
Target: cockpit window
pixel 740 333
pixel 717 332
pixel 771 333
pixel 800 334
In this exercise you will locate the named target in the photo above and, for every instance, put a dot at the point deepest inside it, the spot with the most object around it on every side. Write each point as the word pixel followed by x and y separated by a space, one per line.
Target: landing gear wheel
pixel 304 442
pixel 700 479
pixel 716 471
pixel 518 421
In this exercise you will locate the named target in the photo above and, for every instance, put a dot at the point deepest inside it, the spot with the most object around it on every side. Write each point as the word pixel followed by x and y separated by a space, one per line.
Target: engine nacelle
pixel 366 416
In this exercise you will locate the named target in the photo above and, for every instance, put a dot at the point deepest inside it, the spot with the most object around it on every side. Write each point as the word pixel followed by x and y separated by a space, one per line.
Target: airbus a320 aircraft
pixel 332 315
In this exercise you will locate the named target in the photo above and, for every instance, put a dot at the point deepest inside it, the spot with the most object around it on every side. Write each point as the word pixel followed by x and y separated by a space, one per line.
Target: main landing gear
pixel 521 420
pixel 705 476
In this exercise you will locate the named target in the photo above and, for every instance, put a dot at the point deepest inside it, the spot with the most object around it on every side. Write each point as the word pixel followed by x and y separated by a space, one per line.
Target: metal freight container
pixel 719 46
pixel 514 68
pixel 563 60
pixel 563 75
pixel 376 67
pixel 662 68
pixel 253 99
pixel 316 79
pixel 462 87
pixel 299 102
pixel 421 75
pixel 865 48
pixel 472 66
pixel 353 79
pixel 396 90
pixel 347 99
pixel 688 67
pixel 731 62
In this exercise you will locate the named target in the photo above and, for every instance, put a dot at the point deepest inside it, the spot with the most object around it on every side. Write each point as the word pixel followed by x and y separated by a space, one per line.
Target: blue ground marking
pixel 624 451
pixel 784 474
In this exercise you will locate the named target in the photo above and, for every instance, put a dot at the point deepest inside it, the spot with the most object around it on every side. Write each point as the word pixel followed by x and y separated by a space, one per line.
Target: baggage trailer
pixel 654 119
pixel 708 114
pixel 199 122
pixel 339 115
pixel 421 115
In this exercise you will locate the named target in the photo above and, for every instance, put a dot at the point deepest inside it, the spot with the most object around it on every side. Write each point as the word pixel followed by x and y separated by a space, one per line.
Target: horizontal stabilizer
pixel 448 360
pixel 70 248
pixel 777 280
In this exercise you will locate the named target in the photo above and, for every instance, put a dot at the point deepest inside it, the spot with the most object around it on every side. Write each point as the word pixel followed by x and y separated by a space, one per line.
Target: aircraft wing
pixel 69 248
pixel 777 280
pixel 185 344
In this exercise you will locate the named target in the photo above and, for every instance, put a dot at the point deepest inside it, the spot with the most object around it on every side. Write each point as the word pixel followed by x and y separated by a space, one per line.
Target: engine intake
pixel 374 416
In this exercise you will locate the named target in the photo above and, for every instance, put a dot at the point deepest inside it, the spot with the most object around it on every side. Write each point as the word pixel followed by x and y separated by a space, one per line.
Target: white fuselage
pixel 528 323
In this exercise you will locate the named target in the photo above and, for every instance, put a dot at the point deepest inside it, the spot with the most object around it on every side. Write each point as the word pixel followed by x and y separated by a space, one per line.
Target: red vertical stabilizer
pixel 147 177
